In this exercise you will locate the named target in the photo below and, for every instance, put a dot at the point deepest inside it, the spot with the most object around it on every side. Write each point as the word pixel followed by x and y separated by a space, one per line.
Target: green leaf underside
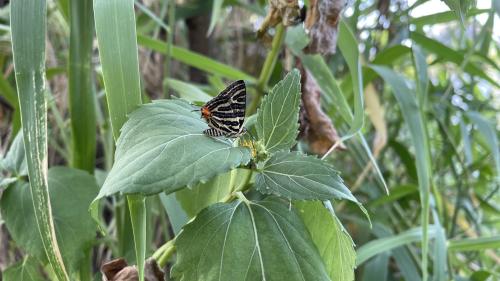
pixel 247 241
pixel 162 148
pixel 277 118
pixel 71 192
pixel 15 159
pixel 204 194
pixel 333 242
pixel 298 176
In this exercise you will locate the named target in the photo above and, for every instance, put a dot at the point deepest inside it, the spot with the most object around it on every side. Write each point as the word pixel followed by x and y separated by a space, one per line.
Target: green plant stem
pixel 268 67
pixel 170 40
pixel 163 254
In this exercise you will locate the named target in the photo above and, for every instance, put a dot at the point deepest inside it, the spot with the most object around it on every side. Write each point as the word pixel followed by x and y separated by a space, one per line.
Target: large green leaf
pixel 162 148
pixel 28 28
pixel 297 176
pixel 25 270
pixel 246 240
pixel 278 117
pixel 334 243
pixel 71 192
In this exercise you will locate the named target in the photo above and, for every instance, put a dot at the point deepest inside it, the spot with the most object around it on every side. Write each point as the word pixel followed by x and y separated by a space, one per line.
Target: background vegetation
pixel 400 97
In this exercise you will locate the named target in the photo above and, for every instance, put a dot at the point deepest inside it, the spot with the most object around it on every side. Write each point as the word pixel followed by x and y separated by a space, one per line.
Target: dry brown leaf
pixel 286 12
pixel 376 113
pixel 118 270
pixel 315 126
pixel 321 22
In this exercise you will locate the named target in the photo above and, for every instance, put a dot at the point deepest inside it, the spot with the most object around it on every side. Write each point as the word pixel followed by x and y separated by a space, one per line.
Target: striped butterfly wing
pixel 227 111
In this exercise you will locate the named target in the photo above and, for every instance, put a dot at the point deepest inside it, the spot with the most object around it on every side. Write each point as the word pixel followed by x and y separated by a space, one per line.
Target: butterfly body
pixel 225 113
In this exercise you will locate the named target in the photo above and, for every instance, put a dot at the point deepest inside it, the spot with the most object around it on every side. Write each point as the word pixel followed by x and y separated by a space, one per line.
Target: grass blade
pixel 475 244
pixel 188 91
pixel 381 245
pixel 216 8
pixel 28 47
pixel 195 60
pixel 116 37
pixel 81 92
pixel 489 133
pixel 348 46
pixel 448 54
pixel 413 118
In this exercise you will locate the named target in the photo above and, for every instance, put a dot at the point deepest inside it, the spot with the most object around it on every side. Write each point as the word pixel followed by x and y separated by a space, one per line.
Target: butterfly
pixel 225 113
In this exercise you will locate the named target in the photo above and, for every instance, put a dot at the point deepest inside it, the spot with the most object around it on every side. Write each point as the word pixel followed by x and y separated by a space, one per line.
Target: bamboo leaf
pixel 216 9
pixel 376 268
pixel 348 46
pixel 443 17
pixel 413 119
pixel 277 244
pixel 488 131
pixel 81 93
pixel 460 8
pixel 28 47
pixel 448 54
pixel 117 41
pixel 278 117
pixel 116 38
pixel 195 60
pixel 381 245
pixel 188 91
pixel 475 244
